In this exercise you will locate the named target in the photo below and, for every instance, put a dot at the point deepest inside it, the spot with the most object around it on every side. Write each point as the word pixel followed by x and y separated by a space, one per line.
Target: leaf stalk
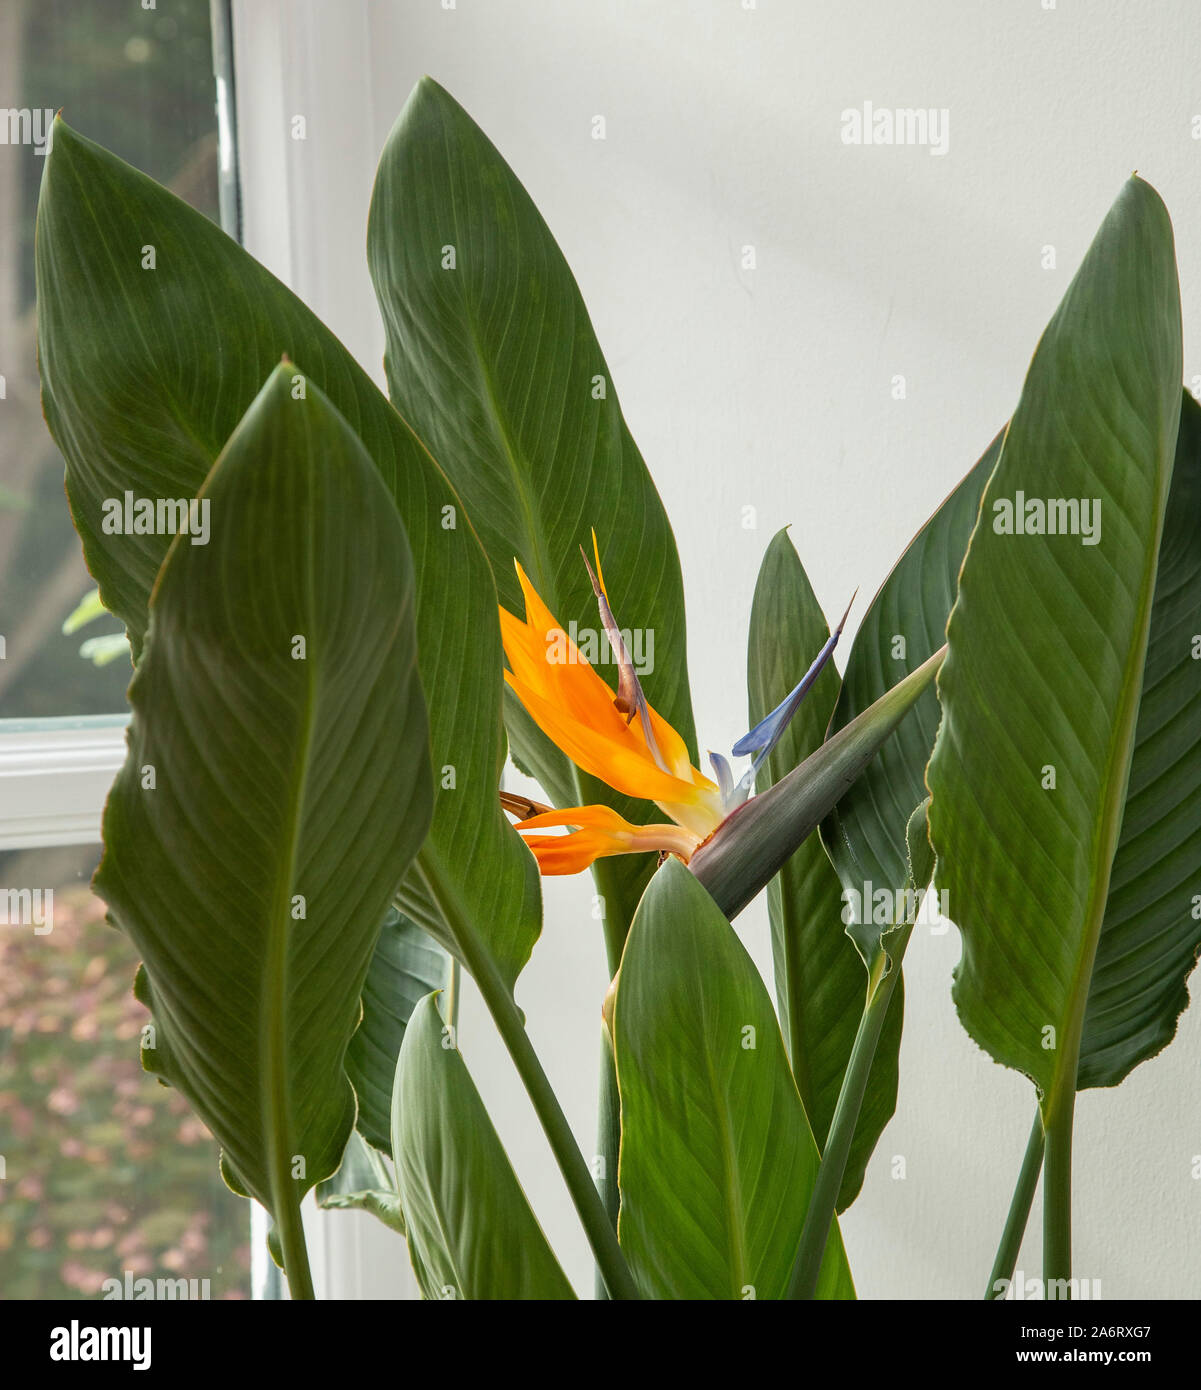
pixel 1019 1212
pixel 1057 1190
pixel 511 1026
pixel 294 1249
pixel 820 1216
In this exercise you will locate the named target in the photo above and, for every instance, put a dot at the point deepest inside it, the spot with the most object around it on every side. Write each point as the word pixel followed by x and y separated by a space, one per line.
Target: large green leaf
pixel 494 361
pixel 1046 649
pixel 145 373
pixel 273 795
pixel 405 967
pixel 821 983
pixel 470 1229
pixel 904 624
pixel 1151 932
pixel 717 1157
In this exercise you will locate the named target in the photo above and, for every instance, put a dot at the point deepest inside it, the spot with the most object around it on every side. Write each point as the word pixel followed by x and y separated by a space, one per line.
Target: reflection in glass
pixel 140 81
pixel 107 1174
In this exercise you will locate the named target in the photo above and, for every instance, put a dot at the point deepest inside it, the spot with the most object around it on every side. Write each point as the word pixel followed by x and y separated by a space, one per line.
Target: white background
pixel 773 389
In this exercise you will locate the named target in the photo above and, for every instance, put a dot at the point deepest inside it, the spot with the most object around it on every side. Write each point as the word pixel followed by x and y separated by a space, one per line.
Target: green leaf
pixel 750 846
pixel 905 623
pixel 271 799
pixel 100 651
pixel 495 363
pixel 1151 935
pixel 918 849
pixel 885 977
pixel 146 372
pixel 1046 649
pixel 363 1183
pixel 821 983
pixel 87 610
pixel 406 966
pixel 717 1157
pixel 471 1231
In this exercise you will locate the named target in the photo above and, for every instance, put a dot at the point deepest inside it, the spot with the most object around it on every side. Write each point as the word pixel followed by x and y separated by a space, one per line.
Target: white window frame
pixel 55 774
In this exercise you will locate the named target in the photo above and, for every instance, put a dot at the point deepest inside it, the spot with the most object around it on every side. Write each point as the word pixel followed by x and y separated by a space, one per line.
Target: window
pixel 140 82
pixel 103 1174
pixel 107 1175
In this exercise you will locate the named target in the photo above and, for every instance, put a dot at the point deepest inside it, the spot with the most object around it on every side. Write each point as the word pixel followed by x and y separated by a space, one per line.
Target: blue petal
pixel 725 778
pixel 766 734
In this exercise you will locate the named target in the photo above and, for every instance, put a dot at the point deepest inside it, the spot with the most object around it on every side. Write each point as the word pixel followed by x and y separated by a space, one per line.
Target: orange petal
pixel 575 708
pixel 569 680
pixel 623 763
pixel 602 832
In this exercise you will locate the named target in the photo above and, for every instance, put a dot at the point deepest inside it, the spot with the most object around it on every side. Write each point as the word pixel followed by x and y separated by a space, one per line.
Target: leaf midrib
pixel 273 1016
pixel 508 449
pixel 736 1214
pixel 1107 831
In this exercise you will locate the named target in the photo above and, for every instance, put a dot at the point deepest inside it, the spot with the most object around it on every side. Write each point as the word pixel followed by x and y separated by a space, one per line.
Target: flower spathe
pixel 618 738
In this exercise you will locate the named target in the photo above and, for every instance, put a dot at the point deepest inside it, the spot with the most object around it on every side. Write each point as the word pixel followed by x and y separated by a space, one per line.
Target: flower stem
pixel 608 1124
pixel 511 1026
pixel 608 1142
pixel 1057 1189
pixel 1019 1212
pixel 454 987
pixel 820 1215
pixel 591 1210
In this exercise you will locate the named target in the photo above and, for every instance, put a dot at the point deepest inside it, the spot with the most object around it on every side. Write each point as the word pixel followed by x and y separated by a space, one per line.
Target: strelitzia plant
pixel 310 840
pixel 619 739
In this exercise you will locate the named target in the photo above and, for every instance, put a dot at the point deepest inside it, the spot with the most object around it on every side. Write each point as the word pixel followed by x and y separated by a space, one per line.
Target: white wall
pixel 772 389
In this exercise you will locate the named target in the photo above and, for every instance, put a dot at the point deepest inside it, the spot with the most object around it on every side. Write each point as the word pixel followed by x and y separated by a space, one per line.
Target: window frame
pixel 54 777
pixel 290 58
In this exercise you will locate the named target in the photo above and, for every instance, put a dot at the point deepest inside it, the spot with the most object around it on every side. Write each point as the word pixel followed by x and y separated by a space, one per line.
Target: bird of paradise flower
pixel 622 740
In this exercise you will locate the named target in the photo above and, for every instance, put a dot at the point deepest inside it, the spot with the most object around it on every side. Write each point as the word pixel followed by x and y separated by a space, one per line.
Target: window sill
pixel 54 777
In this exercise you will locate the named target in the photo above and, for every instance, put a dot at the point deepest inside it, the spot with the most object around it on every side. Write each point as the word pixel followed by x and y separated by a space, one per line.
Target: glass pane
pixel 106 1173
pixel 140 81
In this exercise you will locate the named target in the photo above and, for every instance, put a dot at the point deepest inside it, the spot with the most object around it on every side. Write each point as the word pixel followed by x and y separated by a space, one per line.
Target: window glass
pixel 140 81
pixel 108 1178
